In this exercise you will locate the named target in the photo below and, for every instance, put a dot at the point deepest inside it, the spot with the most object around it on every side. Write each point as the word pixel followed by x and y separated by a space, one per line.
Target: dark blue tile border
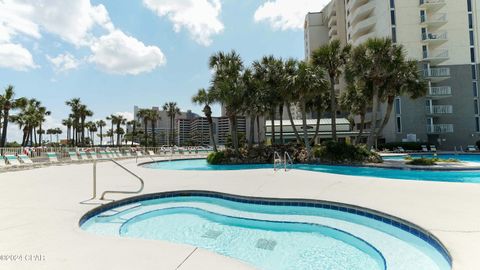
pixel 369 213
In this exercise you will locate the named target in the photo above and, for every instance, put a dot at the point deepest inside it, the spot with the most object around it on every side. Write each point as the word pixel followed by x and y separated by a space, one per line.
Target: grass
pixel 428 161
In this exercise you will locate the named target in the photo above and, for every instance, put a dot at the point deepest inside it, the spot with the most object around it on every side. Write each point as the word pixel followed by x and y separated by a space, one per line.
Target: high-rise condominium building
pixel 443 35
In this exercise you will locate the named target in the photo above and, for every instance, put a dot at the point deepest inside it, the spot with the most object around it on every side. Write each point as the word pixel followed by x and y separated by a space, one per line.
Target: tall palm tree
pixel 74 104
pixel 8 102
pixel 308 82
pixel 68 123
pixel 100 125
pixel 332 57
pixel 356 101
pixel 133 124
pixel 118 120
pixel 291 97
pixel 143 114
pixel 83 113
pixel 50 132
pixel 58 131
pixel 206 98
pixel 111 118
pixel 41 113
pixel 269 72
pixel 227 87
pixel 172 111
pixel 153 116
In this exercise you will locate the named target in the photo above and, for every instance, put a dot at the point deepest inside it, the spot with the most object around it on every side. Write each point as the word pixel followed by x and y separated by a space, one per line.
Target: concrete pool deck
pixel 40 210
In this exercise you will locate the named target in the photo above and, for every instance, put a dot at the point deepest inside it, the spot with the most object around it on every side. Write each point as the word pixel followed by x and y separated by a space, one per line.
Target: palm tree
pixel 75 104
pixel 41 113
pixel 50 132
pixel 92 128
pixel 68 123
pixel 118 120
pixel 133 134
pixel 153 116
pixel 356 101
pixel 100 125
pixel 206 98
pixel 308 82
pixel 8 102
pixel 332 57
pixel 172 111
pixel 111 118
pixel 227 87
pixel 291 97
pixel 58 131
pixel 143 114
pixel 83 113
pixel 269 72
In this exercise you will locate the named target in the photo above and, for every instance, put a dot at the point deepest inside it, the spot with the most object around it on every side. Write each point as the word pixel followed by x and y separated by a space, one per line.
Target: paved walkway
pixel 40 210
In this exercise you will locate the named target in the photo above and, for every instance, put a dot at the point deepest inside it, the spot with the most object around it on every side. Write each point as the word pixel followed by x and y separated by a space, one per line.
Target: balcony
pixel 332 21
pixel 440 128
pixel 435 37
pixel 439 109
pixel 440 92
pixel 436 57
pixel 432 5
pixel 354 4
pixel 332 32
pixel 362 12
pixel 363 27
pixel 435 20
pixel 436 74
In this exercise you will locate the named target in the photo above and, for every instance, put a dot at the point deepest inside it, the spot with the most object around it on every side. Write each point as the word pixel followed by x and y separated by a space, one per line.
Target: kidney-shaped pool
pixel 274 234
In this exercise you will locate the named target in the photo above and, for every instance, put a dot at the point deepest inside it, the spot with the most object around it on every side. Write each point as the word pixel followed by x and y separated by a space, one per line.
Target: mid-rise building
pixel 442 35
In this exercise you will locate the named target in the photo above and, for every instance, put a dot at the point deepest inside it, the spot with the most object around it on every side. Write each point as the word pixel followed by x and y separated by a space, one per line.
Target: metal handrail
pixel 288 160
pixel 277 159
pixel 102 197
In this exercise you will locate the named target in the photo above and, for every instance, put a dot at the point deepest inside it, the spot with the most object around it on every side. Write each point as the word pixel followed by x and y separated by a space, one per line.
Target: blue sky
pixel 115 54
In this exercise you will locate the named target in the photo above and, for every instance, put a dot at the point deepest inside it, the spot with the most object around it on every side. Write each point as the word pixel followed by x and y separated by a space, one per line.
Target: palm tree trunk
pixel 153 133
pixel 35 135
pixel 101 136
pixel 362 126
pixel 295 131
pixel 259 135
pixel 333 108
pixel 305 130
pixel 118 134
pixel 3 140
pixel 272 118
pixel 40 136
pixel 280 111
pixel 386 118
pixel 146 131
pixel 373 128
pixel 24 138
pixel 212 137
pixel 252 132
pixel 233 128
pixel 317 127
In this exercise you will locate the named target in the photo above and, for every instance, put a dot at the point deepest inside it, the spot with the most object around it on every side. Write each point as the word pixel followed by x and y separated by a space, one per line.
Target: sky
pixel 116 54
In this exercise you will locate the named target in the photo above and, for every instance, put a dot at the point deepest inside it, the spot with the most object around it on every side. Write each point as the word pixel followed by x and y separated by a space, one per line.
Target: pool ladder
pixel 279 163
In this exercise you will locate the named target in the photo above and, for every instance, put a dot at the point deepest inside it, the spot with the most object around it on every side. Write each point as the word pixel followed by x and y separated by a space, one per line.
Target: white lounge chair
pixel 25 159
pixel 433 148
pixel 471 148
pixel 151 153
pixel 83 155
pixel 139 154
pixel 73 156
pixel 119 154
pixel 103 154
pixel 424 148
pixel 12 160
pixel 93 155
pixel 128 154
pixel 399 150
pixel 52 157
pixel 2 162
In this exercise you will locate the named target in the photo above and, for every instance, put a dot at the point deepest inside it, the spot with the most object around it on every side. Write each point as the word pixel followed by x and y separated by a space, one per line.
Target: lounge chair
pixel 109 154
pixel 119 154
pixel 399 150
pixel 93 155
pixel 128 154
pixel 471 148
pixel 12 160
pixel 52 157
pixel 73 156
pixel 2 162
pixel 139 153
pixel 433 148
pixel 103 154
pixel 25 159
pixel 83 155
pixel 151 153
pixel 424 148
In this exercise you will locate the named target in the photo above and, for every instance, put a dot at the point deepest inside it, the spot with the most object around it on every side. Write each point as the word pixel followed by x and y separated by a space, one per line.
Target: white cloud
pixel 199 17
pixel 287 14
pixel 64 62
pixel 126 115
pixel 79 23
pixel 118 53
pixel 16 57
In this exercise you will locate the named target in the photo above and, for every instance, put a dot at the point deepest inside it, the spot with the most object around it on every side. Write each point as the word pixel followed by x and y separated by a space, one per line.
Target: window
pixel 425 51
pixel 399 124
pixel 398 109
pixel 475 89
pixel 394 35
pixel 392 3
pixel 469 5
pixel 472 39
pixel 392 17
pixel 470 21
pixel 477 124
pixel 475 106
pixel 424 33
pixel 472 55
pixel 423 17
pixel 474 72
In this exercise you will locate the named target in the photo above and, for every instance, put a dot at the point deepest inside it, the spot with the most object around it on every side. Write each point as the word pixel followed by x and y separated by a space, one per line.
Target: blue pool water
pixel 272 237
pixel 442 176
pixel 463 157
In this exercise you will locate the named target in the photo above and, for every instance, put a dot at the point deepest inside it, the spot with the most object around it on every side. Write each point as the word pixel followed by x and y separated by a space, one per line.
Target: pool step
pixel 266 244
pixel 119 210
pixel 211 234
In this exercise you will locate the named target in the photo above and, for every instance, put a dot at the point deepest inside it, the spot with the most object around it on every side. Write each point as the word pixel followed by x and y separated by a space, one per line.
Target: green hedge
pixel 422 161
pixel 340 152
pixel 215 158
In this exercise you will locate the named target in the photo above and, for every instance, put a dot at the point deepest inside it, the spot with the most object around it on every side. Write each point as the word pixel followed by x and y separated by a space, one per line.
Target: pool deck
pixel 40 210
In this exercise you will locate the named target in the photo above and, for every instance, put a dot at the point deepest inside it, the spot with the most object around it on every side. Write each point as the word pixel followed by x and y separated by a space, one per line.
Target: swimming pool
pixel 274 234
pixel 423 175
pixel 461 157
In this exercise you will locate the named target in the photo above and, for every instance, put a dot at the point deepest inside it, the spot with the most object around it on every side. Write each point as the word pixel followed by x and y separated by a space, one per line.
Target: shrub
pixel 422 161
pixel 340 152
pixel 215 158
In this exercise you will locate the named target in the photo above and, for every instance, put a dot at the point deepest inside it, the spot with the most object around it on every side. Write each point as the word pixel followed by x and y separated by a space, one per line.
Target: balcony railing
pixel 432 2
pixel 437 18
pixel 440 128
pixel 440 91
pixel 439 109
pixel 436 55
pixel 436 72
pixel 434 36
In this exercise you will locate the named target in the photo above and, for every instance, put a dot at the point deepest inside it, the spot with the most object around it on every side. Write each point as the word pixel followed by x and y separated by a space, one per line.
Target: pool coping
pixel 399 223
